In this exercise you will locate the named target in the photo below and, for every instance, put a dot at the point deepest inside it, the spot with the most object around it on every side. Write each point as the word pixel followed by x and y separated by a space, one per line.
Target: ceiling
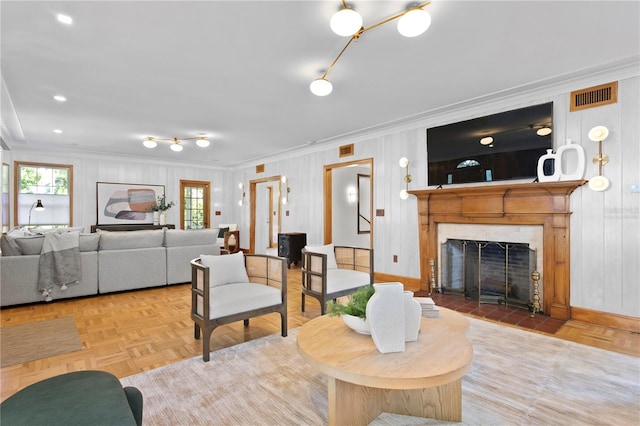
pixel 239 71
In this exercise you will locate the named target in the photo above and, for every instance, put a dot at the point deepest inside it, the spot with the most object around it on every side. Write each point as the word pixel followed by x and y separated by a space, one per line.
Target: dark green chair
pixel 80 398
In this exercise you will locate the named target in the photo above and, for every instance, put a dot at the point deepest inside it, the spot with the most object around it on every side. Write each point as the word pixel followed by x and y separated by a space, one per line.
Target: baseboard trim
pixel 606 319
pixel 410 284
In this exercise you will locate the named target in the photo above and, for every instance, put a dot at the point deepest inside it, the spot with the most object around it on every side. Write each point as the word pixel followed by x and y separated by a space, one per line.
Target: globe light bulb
pixel 321 87
pixel 346 22
pixel 414 22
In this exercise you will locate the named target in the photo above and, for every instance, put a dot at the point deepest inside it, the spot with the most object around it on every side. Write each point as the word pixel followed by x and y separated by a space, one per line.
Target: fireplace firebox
pixel 489 271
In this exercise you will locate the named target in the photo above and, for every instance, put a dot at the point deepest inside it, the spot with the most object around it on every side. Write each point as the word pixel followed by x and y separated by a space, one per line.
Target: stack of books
pixel 429 308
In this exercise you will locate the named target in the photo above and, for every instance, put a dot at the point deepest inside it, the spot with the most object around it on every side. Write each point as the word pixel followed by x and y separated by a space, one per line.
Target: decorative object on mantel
pixel 598 134
pixel 404 163
pixel 385 312
pixel 348 23
pixel 559 173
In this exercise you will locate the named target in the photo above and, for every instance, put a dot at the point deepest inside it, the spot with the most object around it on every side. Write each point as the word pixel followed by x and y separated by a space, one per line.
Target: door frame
pixel 206 200
pixel 328 195
pixel 252 211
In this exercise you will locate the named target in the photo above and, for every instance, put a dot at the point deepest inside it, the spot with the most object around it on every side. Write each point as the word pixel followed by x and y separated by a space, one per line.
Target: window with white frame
pixel 52 184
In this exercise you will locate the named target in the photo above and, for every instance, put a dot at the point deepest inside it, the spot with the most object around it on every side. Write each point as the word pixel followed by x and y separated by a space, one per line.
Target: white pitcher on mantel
pixel 385 313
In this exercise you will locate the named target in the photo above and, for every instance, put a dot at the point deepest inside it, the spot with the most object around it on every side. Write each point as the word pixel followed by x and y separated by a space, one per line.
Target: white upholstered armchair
pixel 329 272
pixel 230 288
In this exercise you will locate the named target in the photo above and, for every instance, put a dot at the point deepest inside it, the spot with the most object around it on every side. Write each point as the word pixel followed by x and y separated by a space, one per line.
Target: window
pixel 194 204
pixel 50 183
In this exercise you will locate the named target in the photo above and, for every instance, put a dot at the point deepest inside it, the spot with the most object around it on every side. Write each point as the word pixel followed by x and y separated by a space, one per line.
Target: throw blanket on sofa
pixel 59 262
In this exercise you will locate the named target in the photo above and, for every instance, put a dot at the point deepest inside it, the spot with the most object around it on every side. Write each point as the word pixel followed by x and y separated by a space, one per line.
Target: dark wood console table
pixel 136 227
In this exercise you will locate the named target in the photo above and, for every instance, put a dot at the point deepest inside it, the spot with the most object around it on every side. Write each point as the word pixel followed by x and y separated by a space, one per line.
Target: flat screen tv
pixel 503 146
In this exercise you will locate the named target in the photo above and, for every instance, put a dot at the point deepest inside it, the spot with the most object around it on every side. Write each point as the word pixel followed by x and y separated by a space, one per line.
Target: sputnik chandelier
pixel 151 142
pixel 348 23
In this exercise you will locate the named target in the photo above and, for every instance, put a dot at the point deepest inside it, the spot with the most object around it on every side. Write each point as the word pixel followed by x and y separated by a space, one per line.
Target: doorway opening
pixel 264 226
pixel 348 203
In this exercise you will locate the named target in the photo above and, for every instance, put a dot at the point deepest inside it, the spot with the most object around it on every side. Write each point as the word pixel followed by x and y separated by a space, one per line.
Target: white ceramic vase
pixel 156 217
pixel 163 218
pixel 385 313
pixel 412 315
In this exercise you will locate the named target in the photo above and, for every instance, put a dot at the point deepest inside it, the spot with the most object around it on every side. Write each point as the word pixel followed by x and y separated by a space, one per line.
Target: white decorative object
pixel 357 324
pixel 156 217
pixel 549 156
pixel 561 161
pixel 412 315
pixel 385 312
pixel 163 218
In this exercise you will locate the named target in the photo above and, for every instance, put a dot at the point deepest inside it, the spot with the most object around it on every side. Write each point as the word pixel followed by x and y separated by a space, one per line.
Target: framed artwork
pixel 126 203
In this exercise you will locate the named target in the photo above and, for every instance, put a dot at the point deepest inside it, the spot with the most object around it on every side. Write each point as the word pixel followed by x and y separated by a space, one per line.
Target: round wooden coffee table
pixel 425 380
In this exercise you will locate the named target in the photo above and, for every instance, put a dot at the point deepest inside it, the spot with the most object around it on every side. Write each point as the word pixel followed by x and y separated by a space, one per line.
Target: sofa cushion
pixel 345 279
pixel 186 238
pixel 131 239
pixel 225 269
pixel 89 242
pixel 30 245
pixel 329 251
pixel 242 297
pixel 221 232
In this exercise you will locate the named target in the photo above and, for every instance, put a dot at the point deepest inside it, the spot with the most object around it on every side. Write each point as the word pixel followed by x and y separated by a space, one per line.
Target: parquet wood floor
pixel 137 331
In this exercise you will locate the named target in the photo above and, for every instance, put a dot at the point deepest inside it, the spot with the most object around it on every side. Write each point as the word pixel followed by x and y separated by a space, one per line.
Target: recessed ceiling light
pixel 60 98
pixel 58 131
pixel 64 19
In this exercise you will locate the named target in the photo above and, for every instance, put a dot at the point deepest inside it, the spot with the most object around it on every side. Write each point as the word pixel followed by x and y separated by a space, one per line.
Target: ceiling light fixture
pixel 60 98
pixel 543 131
pixel 152 142
pixel 413 22
pixel 488 140
pixel 65 19
pixel 346 22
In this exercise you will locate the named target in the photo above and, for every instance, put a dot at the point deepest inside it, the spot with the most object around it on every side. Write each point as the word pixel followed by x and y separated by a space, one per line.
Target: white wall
pixel 605 226
pixel 344 224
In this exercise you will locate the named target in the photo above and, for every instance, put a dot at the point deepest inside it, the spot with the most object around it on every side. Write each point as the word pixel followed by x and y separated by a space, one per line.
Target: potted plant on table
pixel 354 313
pixel 160 210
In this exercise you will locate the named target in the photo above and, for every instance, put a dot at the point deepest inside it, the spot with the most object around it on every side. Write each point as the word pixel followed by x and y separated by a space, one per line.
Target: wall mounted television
pixel 512 143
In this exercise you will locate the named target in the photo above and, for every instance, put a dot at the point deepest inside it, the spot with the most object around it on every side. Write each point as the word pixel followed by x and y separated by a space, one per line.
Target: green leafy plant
pixel 161 204
pixel 356 306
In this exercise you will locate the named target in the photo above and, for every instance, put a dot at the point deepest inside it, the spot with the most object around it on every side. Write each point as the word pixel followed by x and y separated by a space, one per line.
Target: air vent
pixel 346 150
pixel 594 96
pixel 260 168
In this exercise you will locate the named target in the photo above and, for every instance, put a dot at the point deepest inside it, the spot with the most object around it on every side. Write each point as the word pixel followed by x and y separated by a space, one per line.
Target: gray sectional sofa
pixel 111 261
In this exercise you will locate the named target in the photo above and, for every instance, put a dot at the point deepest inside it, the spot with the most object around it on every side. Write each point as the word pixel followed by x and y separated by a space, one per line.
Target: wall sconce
pixel 37 206
pixel 352 195
pixel 598 134
pixel 404 163
pixel 242 200
pixel 285 197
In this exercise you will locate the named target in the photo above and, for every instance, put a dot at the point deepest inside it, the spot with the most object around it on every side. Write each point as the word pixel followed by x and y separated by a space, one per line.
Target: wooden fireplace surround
pixel 541 203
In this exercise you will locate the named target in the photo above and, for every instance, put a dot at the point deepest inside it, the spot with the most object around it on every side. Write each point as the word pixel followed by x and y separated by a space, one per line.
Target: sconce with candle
pixel 285 197
pixel 242 200
pixel 404 163
pixel 598 134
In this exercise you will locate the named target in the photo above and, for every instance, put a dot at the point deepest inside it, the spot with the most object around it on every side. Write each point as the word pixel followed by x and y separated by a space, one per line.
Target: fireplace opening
pixel 489 271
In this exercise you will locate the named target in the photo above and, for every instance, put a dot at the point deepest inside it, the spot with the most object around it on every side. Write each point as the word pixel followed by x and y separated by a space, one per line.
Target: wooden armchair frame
pixel 314 272
pixel 261 270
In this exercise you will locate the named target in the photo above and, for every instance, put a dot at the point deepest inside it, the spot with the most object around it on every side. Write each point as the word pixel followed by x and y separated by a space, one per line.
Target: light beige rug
pixel 37 340
pixel 517 378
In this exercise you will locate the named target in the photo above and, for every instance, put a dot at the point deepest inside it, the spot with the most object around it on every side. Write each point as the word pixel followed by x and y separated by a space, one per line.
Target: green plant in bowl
pixel 356 306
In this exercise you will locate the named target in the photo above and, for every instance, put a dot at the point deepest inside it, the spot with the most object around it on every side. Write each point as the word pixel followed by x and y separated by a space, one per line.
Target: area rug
pixel 37 340
pixel 517 378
